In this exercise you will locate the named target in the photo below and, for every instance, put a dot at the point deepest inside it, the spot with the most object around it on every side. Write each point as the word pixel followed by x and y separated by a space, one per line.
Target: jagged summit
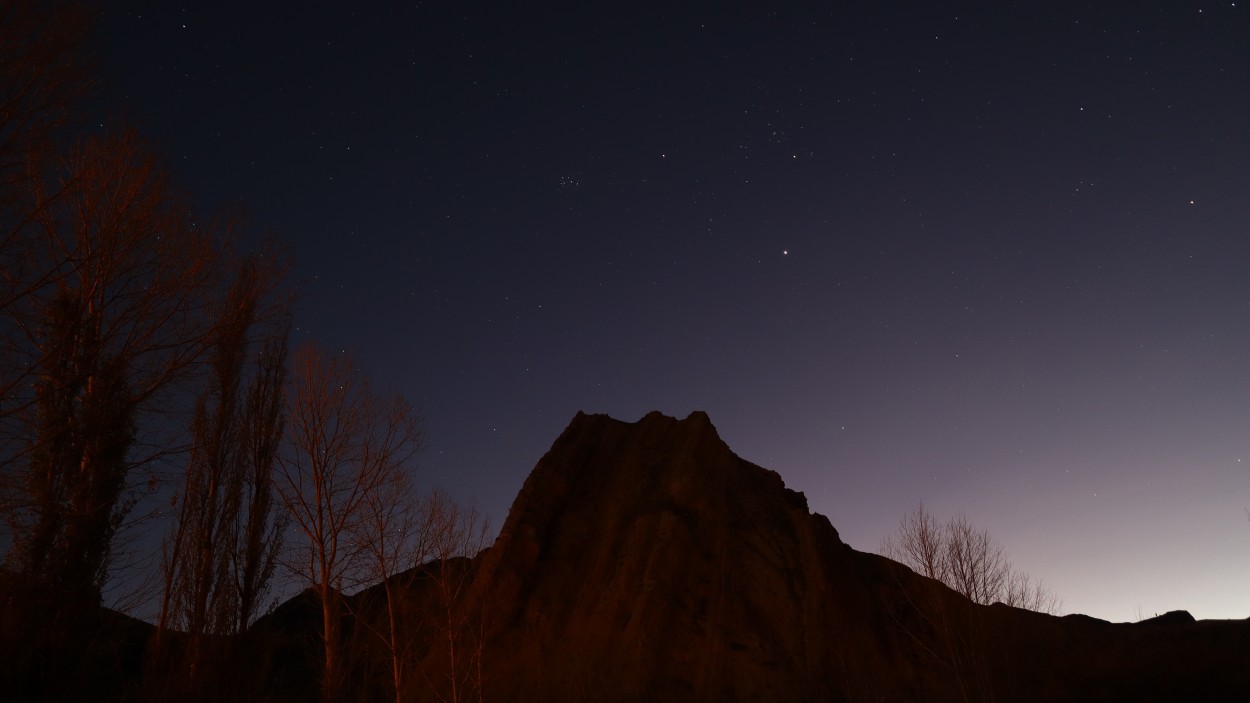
pixel 657 532
pixel 659 456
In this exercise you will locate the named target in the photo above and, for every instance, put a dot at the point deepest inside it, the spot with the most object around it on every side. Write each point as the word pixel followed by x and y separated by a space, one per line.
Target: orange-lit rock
pixel 645 561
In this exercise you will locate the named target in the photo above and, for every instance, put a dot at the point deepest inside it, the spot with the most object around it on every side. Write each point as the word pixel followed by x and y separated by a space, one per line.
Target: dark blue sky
pixel 993 258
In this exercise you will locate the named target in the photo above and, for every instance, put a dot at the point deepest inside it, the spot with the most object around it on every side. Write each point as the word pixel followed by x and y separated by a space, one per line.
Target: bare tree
pixel 221 551
pixel 389 537
pixel 1023 591
pixel 262 530
pixel 423 544
pixel 967 559
pixel 976 565
pixel 121 316
pixel 43 77
pixel 121 300
pixel 456 533
pixel 346 447
pixel 920 543
pixel 42 80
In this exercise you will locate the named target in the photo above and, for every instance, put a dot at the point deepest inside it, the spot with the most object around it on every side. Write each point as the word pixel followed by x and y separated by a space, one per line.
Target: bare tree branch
pixel 967 559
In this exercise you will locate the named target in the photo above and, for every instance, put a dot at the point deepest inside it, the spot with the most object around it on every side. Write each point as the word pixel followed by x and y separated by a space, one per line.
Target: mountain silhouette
pixel 647 562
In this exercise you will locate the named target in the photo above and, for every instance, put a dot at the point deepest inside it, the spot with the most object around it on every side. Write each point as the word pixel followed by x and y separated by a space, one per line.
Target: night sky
pixel 996 259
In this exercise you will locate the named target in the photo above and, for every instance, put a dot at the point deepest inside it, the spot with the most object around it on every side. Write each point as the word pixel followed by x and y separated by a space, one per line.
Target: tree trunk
pixel 330 632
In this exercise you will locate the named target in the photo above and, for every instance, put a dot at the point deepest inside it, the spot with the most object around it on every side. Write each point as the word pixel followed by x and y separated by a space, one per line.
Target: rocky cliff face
pixel 648 561
pixel 645 561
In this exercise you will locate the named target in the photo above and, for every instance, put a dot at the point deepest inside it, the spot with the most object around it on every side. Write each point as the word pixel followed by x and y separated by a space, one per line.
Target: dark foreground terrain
pixel 646 562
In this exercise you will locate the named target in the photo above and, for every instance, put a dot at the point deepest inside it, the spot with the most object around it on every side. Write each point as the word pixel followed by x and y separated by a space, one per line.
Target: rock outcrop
pixel 646 561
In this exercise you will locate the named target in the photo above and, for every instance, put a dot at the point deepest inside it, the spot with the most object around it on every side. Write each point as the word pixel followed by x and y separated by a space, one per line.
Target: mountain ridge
pixel 646 561
pixel 649 560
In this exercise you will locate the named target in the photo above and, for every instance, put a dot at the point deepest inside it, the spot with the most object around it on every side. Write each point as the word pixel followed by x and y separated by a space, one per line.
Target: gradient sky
pixel 993 259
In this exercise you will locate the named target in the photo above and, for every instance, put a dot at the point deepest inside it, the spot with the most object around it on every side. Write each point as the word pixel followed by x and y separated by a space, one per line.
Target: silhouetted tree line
pixel 144 354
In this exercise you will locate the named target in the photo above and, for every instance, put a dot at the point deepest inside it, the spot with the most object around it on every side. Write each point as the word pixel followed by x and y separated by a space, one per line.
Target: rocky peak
pixel 646 561
pixel 657 532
